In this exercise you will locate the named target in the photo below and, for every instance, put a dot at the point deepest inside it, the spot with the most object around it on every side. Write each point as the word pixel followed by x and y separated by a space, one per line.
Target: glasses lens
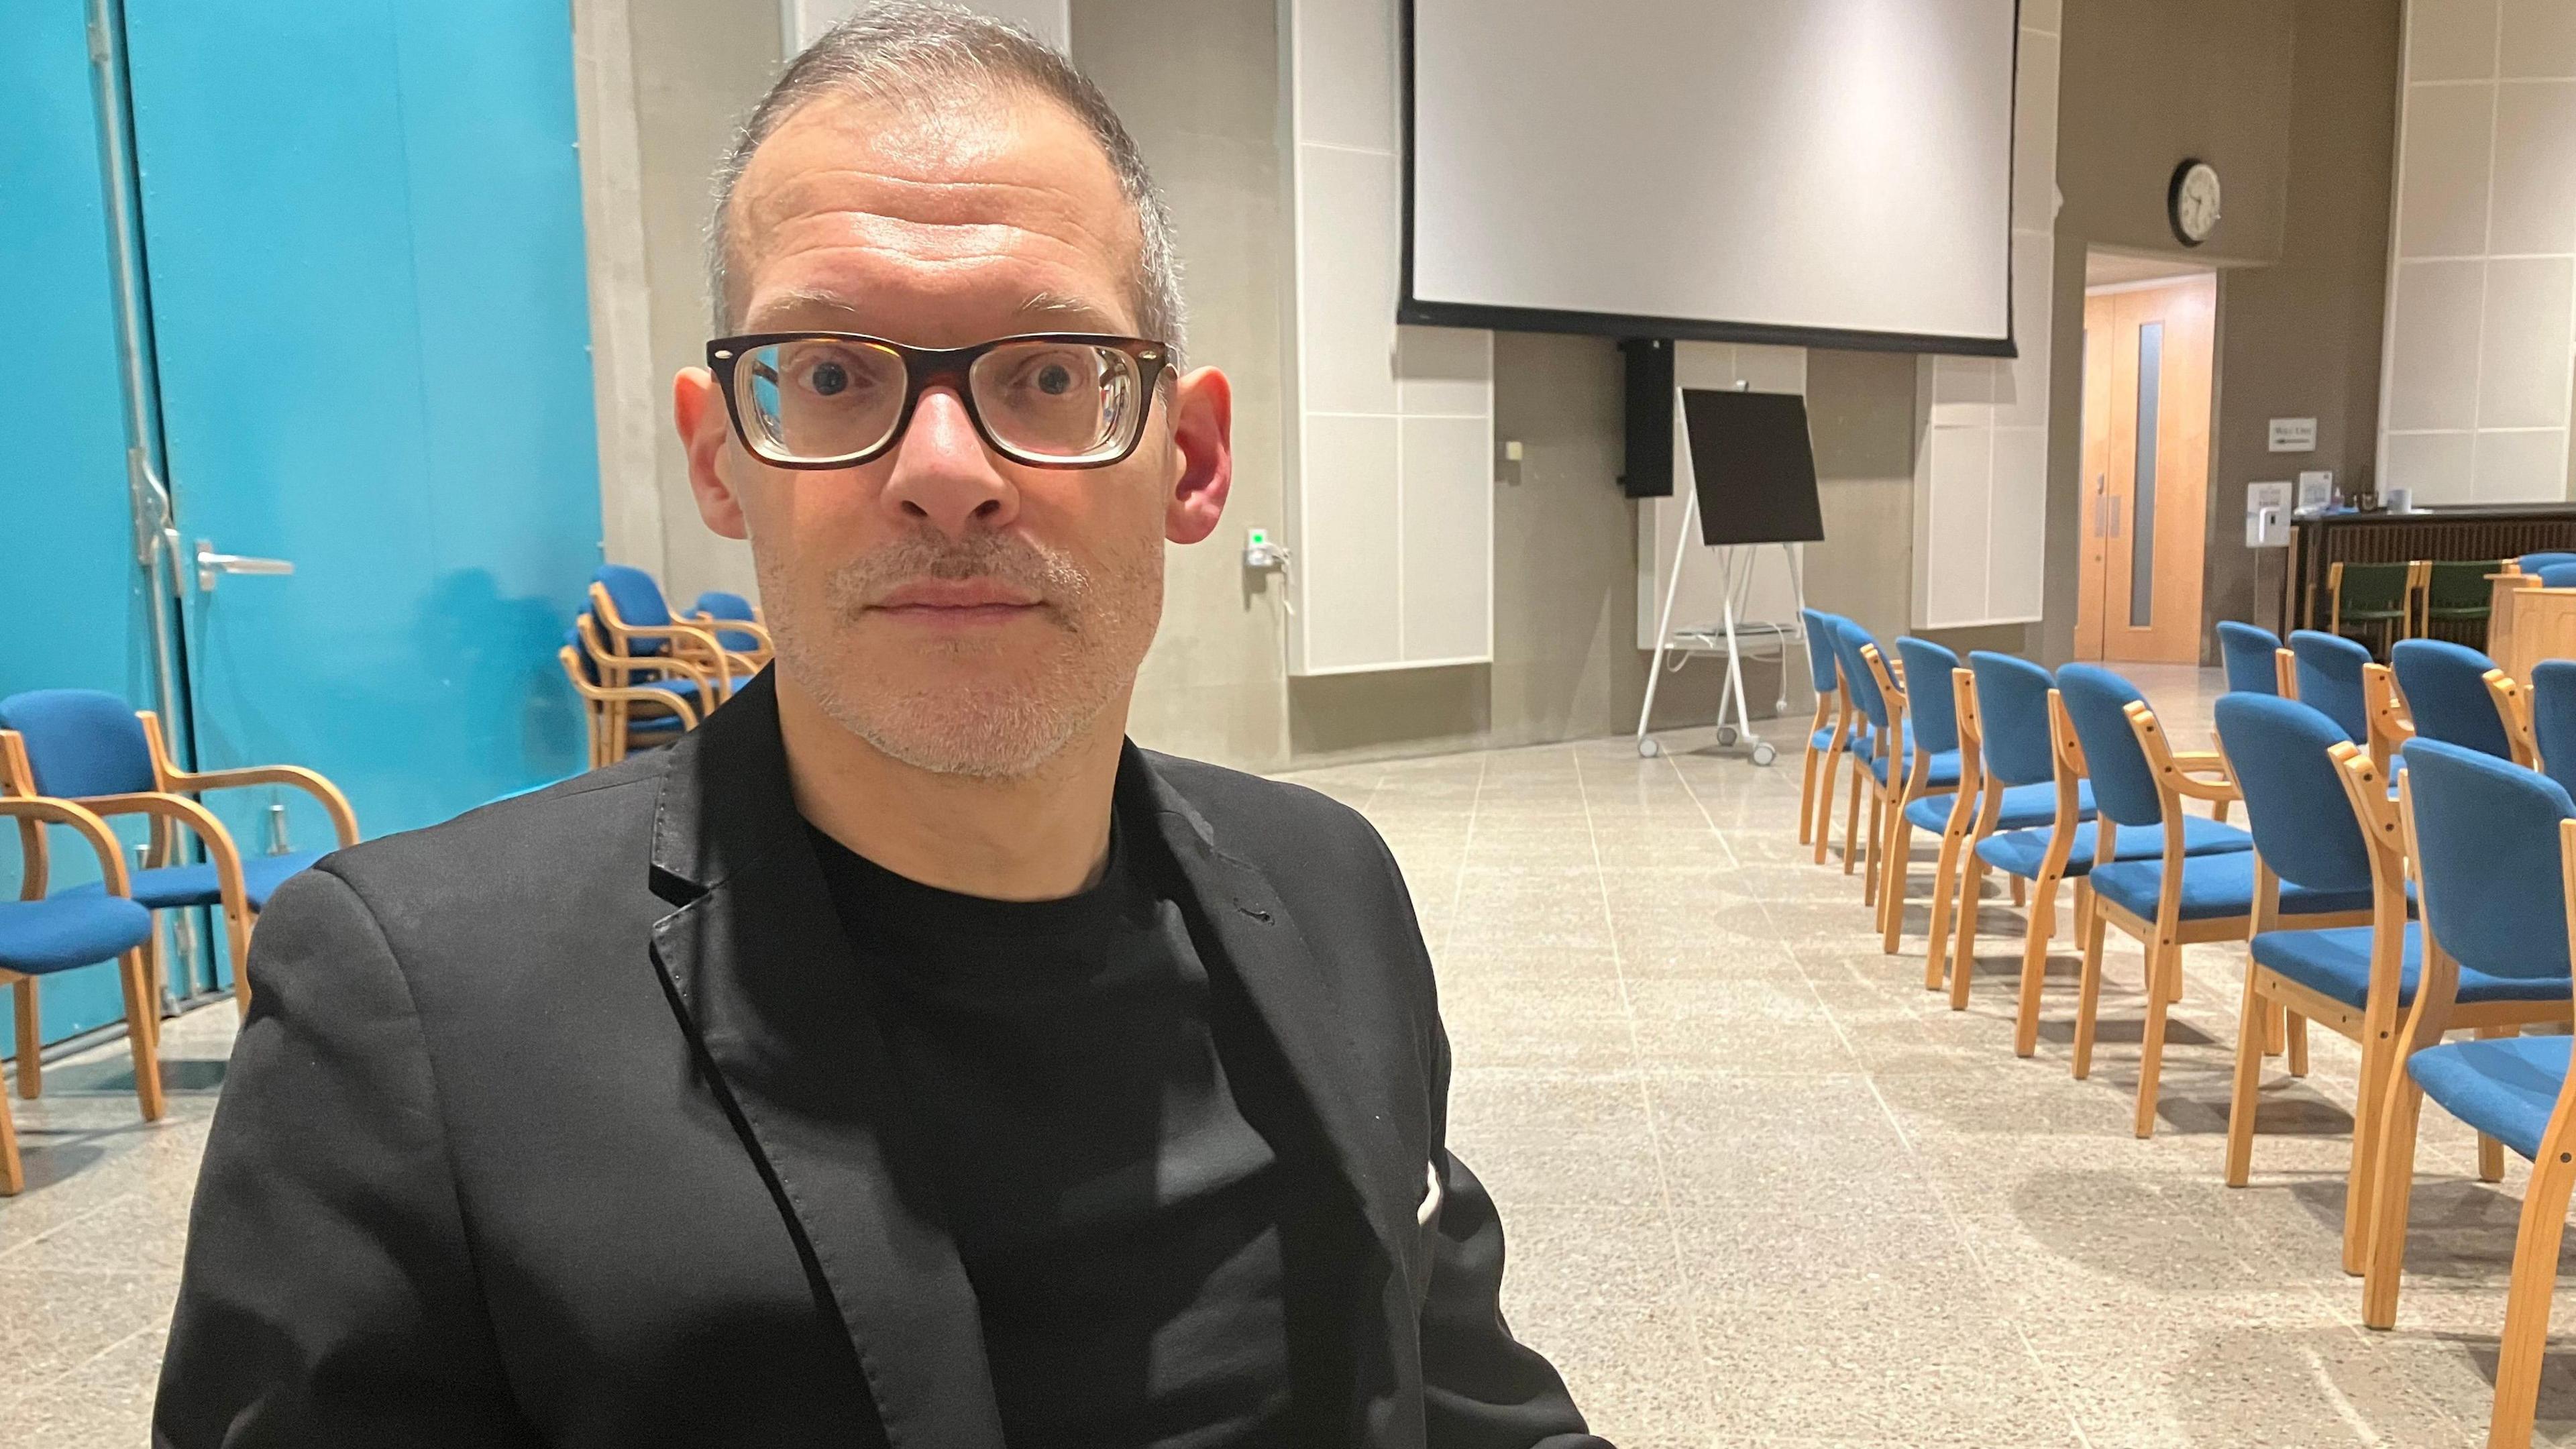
pixel 819 398
pixel 1061 402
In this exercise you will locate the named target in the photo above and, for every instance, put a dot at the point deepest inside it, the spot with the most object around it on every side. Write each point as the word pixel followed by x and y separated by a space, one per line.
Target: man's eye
pixel 827 378
pixel 1055 379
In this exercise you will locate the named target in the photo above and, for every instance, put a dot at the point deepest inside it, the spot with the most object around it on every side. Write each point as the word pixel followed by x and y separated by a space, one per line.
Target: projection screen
pixel 1810 172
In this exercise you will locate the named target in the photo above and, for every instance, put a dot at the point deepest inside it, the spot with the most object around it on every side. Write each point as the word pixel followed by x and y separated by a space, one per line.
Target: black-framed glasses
pixel 839 399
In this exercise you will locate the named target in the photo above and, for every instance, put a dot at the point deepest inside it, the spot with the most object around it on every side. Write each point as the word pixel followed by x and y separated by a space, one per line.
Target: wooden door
pixel 2147 373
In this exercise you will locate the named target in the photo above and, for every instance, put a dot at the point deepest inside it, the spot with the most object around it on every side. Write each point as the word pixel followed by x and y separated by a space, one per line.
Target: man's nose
pixel 944 475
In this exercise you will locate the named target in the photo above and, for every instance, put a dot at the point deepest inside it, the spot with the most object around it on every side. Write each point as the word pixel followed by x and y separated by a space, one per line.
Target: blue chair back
pixel 1820 649
pixel 2446 690
pixel 2329 673
pixel 2532 563
pixel 1848 639
pixel 2487 859
pixel 581 654
pixel 2124 787
pixel 718 604
pixel 2553 719
pixel 80 742
pixel 1928 701
pixel 2012 717
pixel 2248 652
pixel 2559 575
pixel 638 599
pixel 2294 799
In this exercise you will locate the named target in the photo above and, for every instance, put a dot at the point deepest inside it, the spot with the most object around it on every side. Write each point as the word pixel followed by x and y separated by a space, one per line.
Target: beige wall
pixel 2290 100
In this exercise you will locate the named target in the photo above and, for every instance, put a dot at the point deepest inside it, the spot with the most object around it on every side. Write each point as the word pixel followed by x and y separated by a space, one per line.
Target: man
pixel 901 1058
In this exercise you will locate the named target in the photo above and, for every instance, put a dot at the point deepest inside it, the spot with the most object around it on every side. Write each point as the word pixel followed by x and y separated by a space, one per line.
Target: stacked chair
pixel 92 749
pixel 1930 779
pixel 1827 733
pixel 645 675
pixel 2009 787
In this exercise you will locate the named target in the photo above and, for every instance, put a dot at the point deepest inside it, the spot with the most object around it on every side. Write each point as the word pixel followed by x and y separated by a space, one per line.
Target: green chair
pixel 2381 594
pixel 2457 591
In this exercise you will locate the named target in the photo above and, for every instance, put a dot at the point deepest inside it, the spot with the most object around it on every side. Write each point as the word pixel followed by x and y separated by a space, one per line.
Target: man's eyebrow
pixel 1062 307
pixel 802 300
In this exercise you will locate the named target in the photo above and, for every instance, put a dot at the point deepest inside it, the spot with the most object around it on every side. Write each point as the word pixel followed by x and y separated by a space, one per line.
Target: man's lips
pixel 956 601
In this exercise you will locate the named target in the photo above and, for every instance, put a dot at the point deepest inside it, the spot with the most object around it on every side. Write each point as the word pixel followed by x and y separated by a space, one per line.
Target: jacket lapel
pixel 1261 941
pixel 761 972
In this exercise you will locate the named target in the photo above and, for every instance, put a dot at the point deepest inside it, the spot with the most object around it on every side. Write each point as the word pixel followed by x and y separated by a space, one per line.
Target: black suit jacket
pixel 567 1122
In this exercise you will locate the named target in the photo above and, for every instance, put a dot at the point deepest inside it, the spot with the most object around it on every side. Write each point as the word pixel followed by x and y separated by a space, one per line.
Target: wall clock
pixel 2191 202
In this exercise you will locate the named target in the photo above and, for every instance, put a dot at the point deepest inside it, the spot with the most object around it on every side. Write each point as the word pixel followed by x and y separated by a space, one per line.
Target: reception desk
pixel 2498 532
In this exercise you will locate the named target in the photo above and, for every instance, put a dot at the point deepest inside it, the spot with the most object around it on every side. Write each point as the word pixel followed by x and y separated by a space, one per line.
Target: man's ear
pixel 1203 442
pixel 706 431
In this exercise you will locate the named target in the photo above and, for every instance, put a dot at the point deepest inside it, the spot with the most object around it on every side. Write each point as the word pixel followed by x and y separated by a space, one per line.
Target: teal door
pixel 364 353
pixel 363 226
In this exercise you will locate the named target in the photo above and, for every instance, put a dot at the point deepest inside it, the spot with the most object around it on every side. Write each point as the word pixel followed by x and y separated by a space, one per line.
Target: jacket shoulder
pixel 1245 809
pixel 562 835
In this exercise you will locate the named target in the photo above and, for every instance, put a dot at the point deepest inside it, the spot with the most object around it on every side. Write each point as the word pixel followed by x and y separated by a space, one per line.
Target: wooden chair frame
pixel 1895 845
pixel 1812 763
pixel 2066 755
pixel 2179 775
pixel 2392 722
pixel 2545 1196
pixel 1883 744
pixel 606 708
pixel 2408 599
pixel 172 806
pixel 1972 818
pixel 1845 712
pixel 757 627
pixel 2513 707
pixel 142 1008
pixel 690 645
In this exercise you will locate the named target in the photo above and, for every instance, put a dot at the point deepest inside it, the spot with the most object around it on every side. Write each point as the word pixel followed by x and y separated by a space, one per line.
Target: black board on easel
pixel 1753 466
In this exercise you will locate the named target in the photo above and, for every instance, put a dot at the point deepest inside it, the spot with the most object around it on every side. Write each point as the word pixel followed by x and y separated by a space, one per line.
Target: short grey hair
pixel 910 50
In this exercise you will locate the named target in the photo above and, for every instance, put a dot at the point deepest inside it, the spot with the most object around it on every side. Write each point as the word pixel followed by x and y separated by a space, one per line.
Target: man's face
pixel 961 612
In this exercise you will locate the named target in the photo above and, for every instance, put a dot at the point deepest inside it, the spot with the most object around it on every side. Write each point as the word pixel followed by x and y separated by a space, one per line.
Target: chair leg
pixel 2297 1032
pixel 2034 964
pixel 1972 888
pixel 13 1176
pixel 1891 900
pixel 2526 1303
pixel 2491 1151
pixel 139 1036
pixel 2164 968
pixel 237 946
pixel 2391 1199
pixel 2088 999
pixel 31 1040
pixel 2018 898
pixel 2275 1035
pixel 1945 877
pixel 2361 1180
pixel 2249 1080
pixel 1825 803
pixel 1872 862
pixel 1851 823
pixel 1807 794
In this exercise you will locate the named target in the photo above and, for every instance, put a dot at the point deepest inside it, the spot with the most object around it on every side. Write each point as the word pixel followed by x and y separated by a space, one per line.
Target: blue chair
pixel 2552 698
pixel 640 641
pixel 2008 764
pixel 2323 820
pixel 2447 697
pixel 2532 563
pixel 1931 775
pixel 2326 677
pixel 616 730
pixel 1833 712
pixel 1876 732
pixel 89 748
pixel 2178 898
pixel 2559 575
pixel 2494 848
pixel 42 935
pixel 2252 657
pixel 736 622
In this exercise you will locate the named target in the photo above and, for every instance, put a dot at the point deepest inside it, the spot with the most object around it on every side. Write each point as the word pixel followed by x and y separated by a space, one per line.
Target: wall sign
pixel 2294 435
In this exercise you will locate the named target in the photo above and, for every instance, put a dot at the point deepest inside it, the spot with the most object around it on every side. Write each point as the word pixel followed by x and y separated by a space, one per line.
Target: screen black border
pixel 1414 312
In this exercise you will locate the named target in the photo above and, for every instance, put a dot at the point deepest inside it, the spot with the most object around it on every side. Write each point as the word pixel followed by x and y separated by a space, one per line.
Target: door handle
pixel 212 566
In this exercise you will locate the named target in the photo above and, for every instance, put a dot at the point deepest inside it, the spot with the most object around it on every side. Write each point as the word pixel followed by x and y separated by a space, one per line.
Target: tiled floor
pixel 1762 1188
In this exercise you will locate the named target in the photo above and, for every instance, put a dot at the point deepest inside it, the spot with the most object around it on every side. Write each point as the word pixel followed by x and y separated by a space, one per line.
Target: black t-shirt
pixel 1125 1227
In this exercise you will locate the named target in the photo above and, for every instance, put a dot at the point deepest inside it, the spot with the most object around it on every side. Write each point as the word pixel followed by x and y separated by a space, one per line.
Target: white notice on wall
pixel 2294 435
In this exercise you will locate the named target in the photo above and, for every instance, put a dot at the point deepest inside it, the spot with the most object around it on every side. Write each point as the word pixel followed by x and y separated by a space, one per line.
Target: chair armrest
pixel 344 820
pixel 2219 791
pixel 180 810
pixel 2200 761
pixel 752 627
pixel 43 810
pixel 607 694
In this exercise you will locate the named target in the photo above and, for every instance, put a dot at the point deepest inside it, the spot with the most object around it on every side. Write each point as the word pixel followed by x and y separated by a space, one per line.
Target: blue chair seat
pixel 2212 886
pixel 195 885
pixel 1865 740
pixel 2505 1088
pixel 68 930
pixel 1823 739
pixel 2020 852
pixel 1942 770
pixel 2025 807
pixel 2335 962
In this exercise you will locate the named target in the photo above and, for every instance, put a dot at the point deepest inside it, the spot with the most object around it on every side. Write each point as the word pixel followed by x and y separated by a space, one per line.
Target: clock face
pixel 2191 204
